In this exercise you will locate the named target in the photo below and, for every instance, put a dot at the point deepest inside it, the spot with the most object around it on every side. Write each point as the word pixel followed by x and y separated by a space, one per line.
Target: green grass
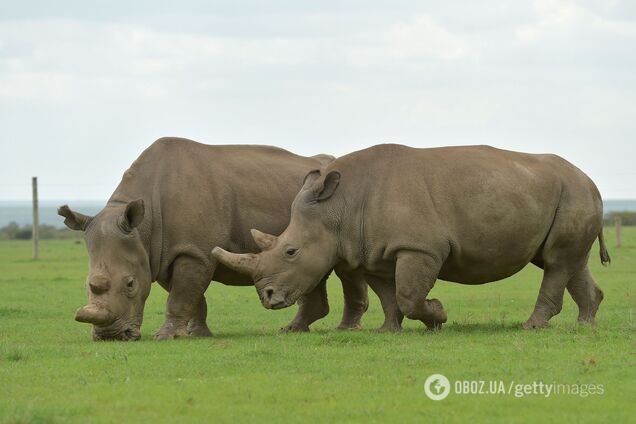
pixel 51 371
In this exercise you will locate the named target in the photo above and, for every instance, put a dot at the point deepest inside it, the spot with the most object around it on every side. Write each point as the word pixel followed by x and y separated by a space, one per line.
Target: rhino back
pixel 481 206
pixel 206 196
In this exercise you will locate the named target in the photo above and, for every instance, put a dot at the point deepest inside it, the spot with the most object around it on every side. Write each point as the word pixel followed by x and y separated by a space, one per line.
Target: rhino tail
pixel 605 257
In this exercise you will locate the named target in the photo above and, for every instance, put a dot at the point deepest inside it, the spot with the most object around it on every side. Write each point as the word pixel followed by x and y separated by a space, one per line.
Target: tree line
pixel 13 231
pixel 627 218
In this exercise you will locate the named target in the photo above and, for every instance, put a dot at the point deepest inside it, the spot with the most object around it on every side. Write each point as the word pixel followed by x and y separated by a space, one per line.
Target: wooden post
pixel 618 224
pixel 35 230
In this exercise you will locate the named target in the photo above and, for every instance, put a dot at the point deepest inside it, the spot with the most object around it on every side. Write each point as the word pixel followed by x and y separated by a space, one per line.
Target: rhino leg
pixel 188 282
pixel 564 261
pixel 564 258
pixel 311 307
pixel 356 299
pixel 415 275
pixel 587 295
pixel 550 299
pixel 386 293
pixel 197 325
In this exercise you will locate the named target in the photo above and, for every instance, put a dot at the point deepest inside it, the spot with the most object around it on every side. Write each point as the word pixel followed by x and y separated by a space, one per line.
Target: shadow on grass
pixel 343 335
pixel 486 328
pixel 364 336
pixel 356 336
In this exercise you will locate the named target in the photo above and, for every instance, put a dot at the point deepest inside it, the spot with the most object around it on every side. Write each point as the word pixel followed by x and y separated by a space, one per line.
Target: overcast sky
pixel 86 86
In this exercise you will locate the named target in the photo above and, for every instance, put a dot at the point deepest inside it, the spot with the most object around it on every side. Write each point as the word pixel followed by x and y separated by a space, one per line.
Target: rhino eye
pixel 130 283
pixel 291 251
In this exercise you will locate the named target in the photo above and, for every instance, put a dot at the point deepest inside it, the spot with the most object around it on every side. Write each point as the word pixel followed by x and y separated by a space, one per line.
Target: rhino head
pixel 119 276
pixel 293 263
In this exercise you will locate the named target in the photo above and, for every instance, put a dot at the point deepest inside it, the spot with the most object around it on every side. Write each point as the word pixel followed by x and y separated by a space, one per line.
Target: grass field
pixel 51 371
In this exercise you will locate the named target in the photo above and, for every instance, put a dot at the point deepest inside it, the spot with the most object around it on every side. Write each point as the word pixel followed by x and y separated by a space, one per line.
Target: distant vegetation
pixel 627 218
pixel 13 231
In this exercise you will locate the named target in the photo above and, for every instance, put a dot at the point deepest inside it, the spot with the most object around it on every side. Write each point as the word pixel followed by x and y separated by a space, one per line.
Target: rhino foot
pixel 587 314
pixel 170 333
pixel 390 327
pixel 349 326
pixel 295 328
pixel 586 321
pixel 437 315
pixel 433 325
pixel 534 323
pixel 199 331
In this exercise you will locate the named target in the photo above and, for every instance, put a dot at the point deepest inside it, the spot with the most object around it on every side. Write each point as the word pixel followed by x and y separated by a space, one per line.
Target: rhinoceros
pixel 176 202
pixel 404 217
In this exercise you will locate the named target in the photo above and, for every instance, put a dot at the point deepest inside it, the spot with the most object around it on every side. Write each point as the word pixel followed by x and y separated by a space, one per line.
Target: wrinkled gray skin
pixel 404 217
pixel 176 202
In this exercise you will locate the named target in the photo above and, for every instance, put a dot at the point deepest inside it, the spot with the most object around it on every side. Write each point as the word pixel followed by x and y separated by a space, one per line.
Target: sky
pixel 86 86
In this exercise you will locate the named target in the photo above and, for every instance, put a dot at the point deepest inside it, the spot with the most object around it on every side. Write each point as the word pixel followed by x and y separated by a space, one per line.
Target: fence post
pixel 35 229
pixel 618 225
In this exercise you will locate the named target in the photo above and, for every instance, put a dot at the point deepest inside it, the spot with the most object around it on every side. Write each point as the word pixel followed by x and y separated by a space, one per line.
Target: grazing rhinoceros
pixel 408 216
pixel 176 202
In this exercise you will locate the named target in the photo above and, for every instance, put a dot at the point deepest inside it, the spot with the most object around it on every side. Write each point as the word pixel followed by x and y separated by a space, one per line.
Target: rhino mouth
pixel 272 297
pixel 279 305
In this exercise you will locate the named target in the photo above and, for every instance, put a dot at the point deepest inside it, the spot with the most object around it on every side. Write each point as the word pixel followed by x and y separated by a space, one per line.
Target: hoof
pixel 433 325
pixel 345 327
pixel 586 321
pixel 534 323
pixel 199 331
pixel 295 328
pixel 586 316
pixel 170 335
pixel 438 316
pixel 163 336
pixel 392 327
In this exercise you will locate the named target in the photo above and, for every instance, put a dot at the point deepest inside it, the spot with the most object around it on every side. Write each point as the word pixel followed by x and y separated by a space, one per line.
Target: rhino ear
pixel 311 177
pixel 263 241
pixel 73 220
pixel 133 215
pixel 325 189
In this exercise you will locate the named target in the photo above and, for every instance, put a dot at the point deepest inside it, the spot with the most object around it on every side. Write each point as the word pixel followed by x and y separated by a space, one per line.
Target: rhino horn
pixel 263 241
pixel 92 314
pixel 244 263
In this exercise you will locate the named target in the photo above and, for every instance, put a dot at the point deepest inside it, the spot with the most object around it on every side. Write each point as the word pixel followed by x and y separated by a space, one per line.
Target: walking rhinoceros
pixel 404 217
pixel 176 202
